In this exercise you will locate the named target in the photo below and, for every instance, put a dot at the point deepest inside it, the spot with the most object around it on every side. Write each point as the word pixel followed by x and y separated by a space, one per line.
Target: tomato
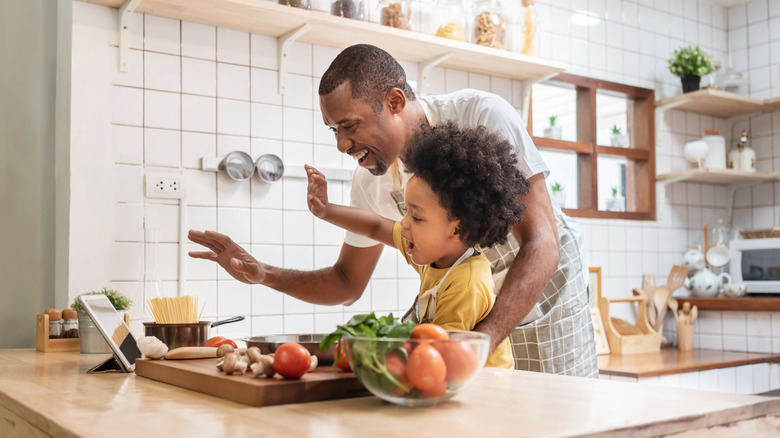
pixel 398 391
pixel 426 367
pixel 395 363
pixel 435 391
pixel 292 360
pixel 216 341
pixel 461 361
pixel 429 331
pixel 341 361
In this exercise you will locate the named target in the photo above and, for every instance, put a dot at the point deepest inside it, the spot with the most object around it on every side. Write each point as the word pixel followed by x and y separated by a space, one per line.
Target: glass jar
pixel 303 4
pixel 449 20
pixel 489 24
pixel 396 13
pixel 55 323
pixel 70 323
pixel 354 9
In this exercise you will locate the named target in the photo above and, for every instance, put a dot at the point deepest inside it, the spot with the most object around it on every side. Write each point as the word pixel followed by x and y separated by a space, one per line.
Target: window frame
pixel 640 155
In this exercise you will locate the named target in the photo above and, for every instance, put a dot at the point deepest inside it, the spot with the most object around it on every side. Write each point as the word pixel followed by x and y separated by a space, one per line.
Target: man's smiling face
pixel 372 139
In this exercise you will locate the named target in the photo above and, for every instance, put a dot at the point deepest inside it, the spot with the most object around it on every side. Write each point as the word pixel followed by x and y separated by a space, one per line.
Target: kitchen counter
pixel 49 394
pixel 673 361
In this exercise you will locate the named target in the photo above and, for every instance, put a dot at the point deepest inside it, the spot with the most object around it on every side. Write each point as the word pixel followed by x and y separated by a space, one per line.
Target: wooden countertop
pixel 672 361
pixel 50 393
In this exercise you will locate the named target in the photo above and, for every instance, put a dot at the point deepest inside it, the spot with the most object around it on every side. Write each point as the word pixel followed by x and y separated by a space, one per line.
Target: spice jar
pixel 396 13
pixel 55 323
pixel 489 25
pixel 303 4
pixel 70 323
pixel 354 9
pixel 450 20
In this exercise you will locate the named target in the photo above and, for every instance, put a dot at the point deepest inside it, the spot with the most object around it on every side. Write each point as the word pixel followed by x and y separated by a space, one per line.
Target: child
pixel 465 191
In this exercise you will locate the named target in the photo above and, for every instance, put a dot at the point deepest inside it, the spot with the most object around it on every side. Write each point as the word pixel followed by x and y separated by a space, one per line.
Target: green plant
pixel 616 130
pixel 690 61
pixel 552 120
pixel 119 301
pixel 557 187
pixel 615 190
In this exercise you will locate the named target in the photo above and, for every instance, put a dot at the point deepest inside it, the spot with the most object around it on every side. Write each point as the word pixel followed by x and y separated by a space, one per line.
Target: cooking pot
pixel 310 341
pixel 184 335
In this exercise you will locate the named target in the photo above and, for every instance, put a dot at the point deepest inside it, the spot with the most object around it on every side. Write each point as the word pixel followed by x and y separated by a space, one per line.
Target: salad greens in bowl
pixel 407 364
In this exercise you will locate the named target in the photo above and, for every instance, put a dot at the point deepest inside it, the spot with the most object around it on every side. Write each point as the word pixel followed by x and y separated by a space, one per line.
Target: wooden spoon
pixel 694 314
pixel 660 299
pixel 673 306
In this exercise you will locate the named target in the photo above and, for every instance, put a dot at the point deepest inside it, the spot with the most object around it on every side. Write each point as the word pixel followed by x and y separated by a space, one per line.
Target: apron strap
pixel 425 305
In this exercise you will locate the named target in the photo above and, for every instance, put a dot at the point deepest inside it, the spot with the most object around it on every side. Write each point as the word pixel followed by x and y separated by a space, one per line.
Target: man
pixel 366 101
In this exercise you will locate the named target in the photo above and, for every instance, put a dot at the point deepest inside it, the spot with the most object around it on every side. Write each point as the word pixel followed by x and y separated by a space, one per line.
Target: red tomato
pixel 426 367
pixel 398 391
pixel 395 364
pixel 461 361
pixel 435 391
pixel 212 341
pixel 429 331
pixel 216 341
pixel 292 360
pixel 341 361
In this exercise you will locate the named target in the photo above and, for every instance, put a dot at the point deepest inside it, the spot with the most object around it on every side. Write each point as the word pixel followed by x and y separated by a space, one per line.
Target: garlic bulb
pixel 152 347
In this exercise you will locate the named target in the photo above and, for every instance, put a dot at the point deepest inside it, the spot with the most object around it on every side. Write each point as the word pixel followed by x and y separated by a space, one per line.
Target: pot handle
pixel 227 321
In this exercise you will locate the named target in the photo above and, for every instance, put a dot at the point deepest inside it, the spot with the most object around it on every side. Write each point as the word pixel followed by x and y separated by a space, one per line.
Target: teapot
pixel 706 284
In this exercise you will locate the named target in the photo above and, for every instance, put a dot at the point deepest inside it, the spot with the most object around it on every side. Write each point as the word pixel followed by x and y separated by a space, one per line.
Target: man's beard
pixel 381 166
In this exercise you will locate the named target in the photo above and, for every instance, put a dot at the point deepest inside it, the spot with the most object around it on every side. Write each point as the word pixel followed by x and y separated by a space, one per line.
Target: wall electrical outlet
pixel 164 185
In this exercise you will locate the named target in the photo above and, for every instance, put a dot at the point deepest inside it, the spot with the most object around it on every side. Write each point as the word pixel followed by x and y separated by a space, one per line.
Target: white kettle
pixel 706 284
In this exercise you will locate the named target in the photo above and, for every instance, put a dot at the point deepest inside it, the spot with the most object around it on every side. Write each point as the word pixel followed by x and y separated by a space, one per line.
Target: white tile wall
pixel 195 91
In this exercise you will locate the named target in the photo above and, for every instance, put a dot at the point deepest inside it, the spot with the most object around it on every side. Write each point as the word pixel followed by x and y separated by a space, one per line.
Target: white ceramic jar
pixel 716 151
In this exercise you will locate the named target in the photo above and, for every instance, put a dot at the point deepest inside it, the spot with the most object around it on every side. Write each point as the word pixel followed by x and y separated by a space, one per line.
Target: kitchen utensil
pixel 646 342
pixel 694 315
pixel 734 289
pixel 673 305
pixel 238 165
pixel 676 277
pixel 311 341
pixel 184 335
pixel 660 298
pixel 686 311
pixel 648 287
pixel 269 168
pixel 650 310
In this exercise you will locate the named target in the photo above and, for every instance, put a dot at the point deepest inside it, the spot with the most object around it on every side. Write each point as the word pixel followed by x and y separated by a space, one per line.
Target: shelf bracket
pixel 123 16
pixel 425 70
pixel 525 93
pixel 731 190
pixel 283 48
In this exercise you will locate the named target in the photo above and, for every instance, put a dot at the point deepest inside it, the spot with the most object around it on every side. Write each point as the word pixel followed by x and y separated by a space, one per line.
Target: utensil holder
pixel 624 338
pixel 684 336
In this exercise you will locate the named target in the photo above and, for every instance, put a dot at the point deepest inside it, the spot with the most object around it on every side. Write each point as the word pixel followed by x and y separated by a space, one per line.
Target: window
pixel 597 138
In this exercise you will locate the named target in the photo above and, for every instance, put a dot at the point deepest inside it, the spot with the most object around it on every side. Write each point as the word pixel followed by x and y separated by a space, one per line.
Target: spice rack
pixel 46 345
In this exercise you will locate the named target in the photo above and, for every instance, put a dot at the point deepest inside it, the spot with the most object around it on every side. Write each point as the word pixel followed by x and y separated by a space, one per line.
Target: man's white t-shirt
pixel 469 109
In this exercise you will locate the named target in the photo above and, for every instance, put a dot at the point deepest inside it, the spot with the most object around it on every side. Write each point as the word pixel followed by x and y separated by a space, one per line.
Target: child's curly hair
pixel 474 173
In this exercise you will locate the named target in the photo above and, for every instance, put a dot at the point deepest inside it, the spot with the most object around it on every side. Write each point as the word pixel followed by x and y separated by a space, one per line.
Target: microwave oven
pixel 756 264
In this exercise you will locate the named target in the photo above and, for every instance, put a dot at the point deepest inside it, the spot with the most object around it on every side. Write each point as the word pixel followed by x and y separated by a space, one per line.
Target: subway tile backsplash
pixel 194 91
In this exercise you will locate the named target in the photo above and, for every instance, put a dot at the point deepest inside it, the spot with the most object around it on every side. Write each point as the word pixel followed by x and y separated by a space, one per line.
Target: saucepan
pixel 184 335
pixel 311 341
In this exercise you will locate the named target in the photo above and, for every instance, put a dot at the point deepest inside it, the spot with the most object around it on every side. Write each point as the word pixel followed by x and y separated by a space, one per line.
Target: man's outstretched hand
pixel 234 259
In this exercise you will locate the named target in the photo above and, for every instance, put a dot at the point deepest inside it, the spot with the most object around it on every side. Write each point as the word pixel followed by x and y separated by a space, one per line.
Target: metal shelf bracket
pixel 123 16
pixel 425 70
pixel 283 48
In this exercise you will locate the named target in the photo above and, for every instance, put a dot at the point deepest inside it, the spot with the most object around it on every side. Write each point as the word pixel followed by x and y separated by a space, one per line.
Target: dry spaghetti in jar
pixel 450 20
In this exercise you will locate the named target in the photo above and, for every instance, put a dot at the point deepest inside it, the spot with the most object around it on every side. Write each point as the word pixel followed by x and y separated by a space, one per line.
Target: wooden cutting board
pixel 202 375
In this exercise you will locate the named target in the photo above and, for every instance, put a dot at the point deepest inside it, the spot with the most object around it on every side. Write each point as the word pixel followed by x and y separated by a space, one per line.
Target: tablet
pixel 113 328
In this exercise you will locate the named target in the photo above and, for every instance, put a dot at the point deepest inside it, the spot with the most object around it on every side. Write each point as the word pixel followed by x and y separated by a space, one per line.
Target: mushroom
pixel 224 349
pixel 254 354
pixel 258 368
pixel 314 363
pixel 229 363
pixel 241 366
pixel 219 363
pixel 268 364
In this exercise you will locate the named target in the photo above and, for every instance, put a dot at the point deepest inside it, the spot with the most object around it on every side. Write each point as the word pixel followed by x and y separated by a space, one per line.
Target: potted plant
pixel 615 202
pixel 617 138
pixel 91 339
pixel 553 131
pixel 690 64
pixel 558 194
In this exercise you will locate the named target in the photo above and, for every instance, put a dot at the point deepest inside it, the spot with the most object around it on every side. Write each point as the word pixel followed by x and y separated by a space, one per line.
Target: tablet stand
pixel 110 365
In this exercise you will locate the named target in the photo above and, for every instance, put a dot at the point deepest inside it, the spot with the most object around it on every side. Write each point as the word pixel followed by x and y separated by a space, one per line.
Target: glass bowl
pixel 417 372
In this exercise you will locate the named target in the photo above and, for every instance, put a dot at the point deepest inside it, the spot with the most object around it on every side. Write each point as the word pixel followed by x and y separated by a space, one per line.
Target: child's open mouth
pixel 409 248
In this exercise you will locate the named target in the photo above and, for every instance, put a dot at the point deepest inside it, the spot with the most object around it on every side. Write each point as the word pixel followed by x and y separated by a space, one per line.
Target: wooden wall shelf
pixel 773 103
pixel 269 18
pixel 672 361
pixel 726 177
pixel 716 103
pixel 762 304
